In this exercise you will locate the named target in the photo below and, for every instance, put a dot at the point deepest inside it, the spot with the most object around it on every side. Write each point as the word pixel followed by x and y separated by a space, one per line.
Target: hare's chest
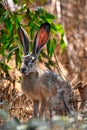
pixel 30 87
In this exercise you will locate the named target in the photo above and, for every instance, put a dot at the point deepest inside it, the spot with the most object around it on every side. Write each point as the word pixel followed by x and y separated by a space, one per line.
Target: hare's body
pixel 38 84
pixel 43 87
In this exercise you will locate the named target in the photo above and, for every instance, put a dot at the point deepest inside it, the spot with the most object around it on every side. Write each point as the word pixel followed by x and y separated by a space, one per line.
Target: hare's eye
pixel 33 61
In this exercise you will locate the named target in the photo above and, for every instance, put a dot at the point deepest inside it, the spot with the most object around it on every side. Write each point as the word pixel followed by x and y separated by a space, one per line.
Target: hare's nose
pixel 23 70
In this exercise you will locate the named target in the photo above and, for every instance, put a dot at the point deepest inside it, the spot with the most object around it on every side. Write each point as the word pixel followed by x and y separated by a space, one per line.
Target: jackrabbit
pixel 44 88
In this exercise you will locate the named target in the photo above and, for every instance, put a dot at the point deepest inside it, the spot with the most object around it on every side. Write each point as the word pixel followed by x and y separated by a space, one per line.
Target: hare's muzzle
pixel 23 70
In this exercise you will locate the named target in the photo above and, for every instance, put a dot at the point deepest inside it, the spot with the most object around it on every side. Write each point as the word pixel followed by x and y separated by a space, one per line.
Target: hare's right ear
pixel 41 38
pixel 24 39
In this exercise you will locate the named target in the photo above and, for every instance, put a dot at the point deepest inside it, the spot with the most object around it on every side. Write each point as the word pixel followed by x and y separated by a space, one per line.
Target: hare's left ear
pixel 24 40
pixel 41 38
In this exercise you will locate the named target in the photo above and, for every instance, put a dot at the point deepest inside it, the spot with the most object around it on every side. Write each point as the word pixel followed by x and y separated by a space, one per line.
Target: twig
pixel 58 67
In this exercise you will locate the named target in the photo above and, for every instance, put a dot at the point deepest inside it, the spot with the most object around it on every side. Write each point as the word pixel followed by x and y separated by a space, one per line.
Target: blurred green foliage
pixel 30 20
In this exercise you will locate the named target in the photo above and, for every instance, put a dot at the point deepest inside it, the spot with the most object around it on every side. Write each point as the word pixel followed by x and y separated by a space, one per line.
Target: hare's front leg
pixel 45 110
pixel 42 112
pixel 36 108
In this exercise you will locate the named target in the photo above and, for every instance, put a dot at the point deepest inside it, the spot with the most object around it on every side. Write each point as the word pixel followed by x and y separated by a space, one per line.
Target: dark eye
pixel 33 61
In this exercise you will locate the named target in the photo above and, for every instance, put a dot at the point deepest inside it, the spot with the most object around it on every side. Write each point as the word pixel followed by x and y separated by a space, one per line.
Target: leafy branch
pixel 30 20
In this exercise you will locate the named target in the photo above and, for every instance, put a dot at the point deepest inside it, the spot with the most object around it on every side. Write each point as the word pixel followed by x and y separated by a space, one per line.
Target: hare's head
pixel 29 59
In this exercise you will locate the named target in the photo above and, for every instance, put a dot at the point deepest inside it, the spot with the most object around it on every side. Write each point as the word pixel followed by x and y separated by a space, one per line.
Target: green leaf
pixel 4 38
pixel 57 28
pixel 60 29
pixel 6 46
pixel 51 62
pixel 33 28
pixel 49 16
pixel 9 25
pixel 43 18
pixel 52 47
pixel 4 16
pixel 44 55
pixel 16 20
pixel 5 68
pixel 17 57
pixel 48 46
pixel 47 65
pixel 62 44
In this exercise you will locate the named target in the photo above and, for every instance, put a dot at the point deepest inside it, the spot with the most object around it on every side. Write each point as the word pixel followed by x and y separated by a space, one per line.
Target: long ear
pixel 41 38
pixel 24 39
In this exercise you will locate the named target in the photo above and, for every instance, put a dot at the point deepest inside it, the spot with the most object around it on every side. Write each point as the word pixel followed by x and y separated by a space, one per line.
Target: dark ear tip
pixel 19 28
pixel 46 27
pixel 46 24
